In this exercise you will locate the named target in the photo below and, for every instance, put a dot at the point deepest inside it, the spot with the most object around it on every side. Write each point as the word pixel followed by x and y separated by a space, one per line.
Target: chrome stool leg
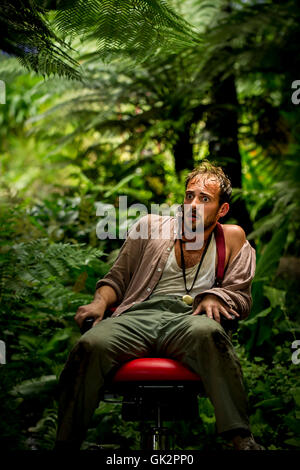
pixel 156 437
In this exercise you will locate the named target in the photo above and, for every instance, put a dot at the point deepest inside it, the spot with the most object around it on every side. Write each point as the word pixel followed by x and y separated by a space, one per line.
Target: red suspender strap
pixel 221 250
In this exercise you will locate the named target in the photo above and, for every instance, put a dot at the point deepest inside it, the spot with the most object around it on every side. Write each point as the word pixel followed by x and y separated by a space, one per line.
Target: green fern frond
pixel 43 275
pixel 54 259
pixel 27 35
pixel 137 28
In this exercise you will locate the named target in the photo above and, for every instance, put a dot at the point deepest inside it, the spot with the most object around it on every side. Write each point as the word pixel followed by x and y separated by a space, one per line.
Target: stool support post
pixel 158 416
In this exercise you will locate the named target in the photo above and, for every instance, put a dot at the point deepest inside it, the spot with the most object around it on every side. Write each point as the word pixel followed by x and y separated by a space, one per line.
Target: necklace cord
pixel 199 265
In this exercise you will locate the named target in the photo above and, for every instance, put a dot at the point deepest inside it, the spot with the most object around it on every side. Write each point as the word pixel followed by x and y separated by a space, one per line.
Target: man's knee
pixel 93 342
pixel 205 329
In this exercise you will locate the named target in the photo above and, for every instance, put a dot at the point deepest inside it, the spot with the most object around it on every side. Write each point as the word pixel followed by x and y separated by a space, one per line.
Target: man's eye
pixel 189 196
pixel 205 199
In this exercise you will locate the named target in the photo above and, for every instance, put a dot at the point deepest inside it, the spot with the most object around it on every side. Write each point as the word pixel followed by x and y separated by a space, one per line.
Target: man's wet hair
pixel 213 171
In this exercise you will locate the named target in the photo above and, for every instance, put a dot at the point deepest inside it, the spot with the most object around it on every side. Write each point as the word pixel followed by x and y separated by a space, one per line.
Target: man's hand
pixel 95 309
pixel 214 307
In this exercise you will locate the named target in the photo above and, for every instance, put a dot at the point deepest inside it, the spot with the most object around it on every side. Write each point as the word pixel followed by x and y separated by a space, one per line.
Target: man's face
pixel 201 197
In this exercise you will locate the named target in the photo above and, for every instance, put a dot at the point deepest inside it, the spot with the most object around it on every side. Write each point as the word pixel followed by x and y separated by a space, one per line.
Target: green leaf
pixel 34 387
pixel 275 296
pixel 296 395
pixel 119 185
pixel 294 441
pixel 254 319
pixel 274 403
pixel 269 259
pixel 57 342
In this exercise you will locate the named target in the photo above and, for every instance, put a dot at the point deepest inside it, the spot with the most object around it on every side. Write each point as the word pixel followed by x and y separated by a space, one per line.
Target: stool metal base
pixel 156 439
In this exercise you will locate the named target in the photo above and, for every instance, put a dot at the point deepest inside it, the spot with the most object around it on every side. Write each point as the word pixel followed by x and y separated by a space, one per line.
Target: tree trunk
pixel 222 126
pixel 183 150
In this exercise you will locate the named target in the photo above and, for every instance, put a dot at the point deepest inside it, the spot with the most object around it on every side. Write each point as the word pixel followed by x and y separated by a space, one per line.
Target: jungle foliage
pixel 134 119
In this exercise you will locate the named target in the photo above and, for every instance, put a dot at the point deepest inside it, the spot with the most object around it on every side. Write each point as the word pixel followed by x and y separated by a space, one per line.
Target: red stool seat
pixel 154 369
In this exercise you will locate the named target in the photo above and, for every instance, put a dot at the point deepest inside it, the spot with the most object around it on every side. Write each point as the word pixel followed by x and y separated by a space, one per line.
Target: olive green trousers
pixel 161 326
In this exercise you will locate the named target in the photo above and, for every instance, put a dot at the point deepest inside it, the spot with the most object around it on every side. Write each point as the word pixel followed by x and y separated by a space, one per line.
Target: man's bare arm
pixel 104 298
pixel 235 238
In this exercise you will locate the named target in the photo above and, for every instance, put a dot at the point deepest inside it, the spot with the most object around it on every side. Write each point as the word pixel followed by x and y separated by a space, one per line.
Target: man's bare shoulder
pixel 235 238
pixel 234 232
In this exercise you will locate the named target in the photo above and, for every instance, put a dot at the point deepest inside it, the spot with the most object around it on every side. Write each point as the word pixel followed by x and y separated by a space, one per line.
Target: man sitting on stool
pixel 168 305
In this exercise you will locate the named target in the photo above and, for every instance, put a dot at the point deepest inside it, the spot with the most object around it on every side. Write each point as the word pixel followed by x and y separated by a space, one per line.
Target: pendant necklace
pixel 188 299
